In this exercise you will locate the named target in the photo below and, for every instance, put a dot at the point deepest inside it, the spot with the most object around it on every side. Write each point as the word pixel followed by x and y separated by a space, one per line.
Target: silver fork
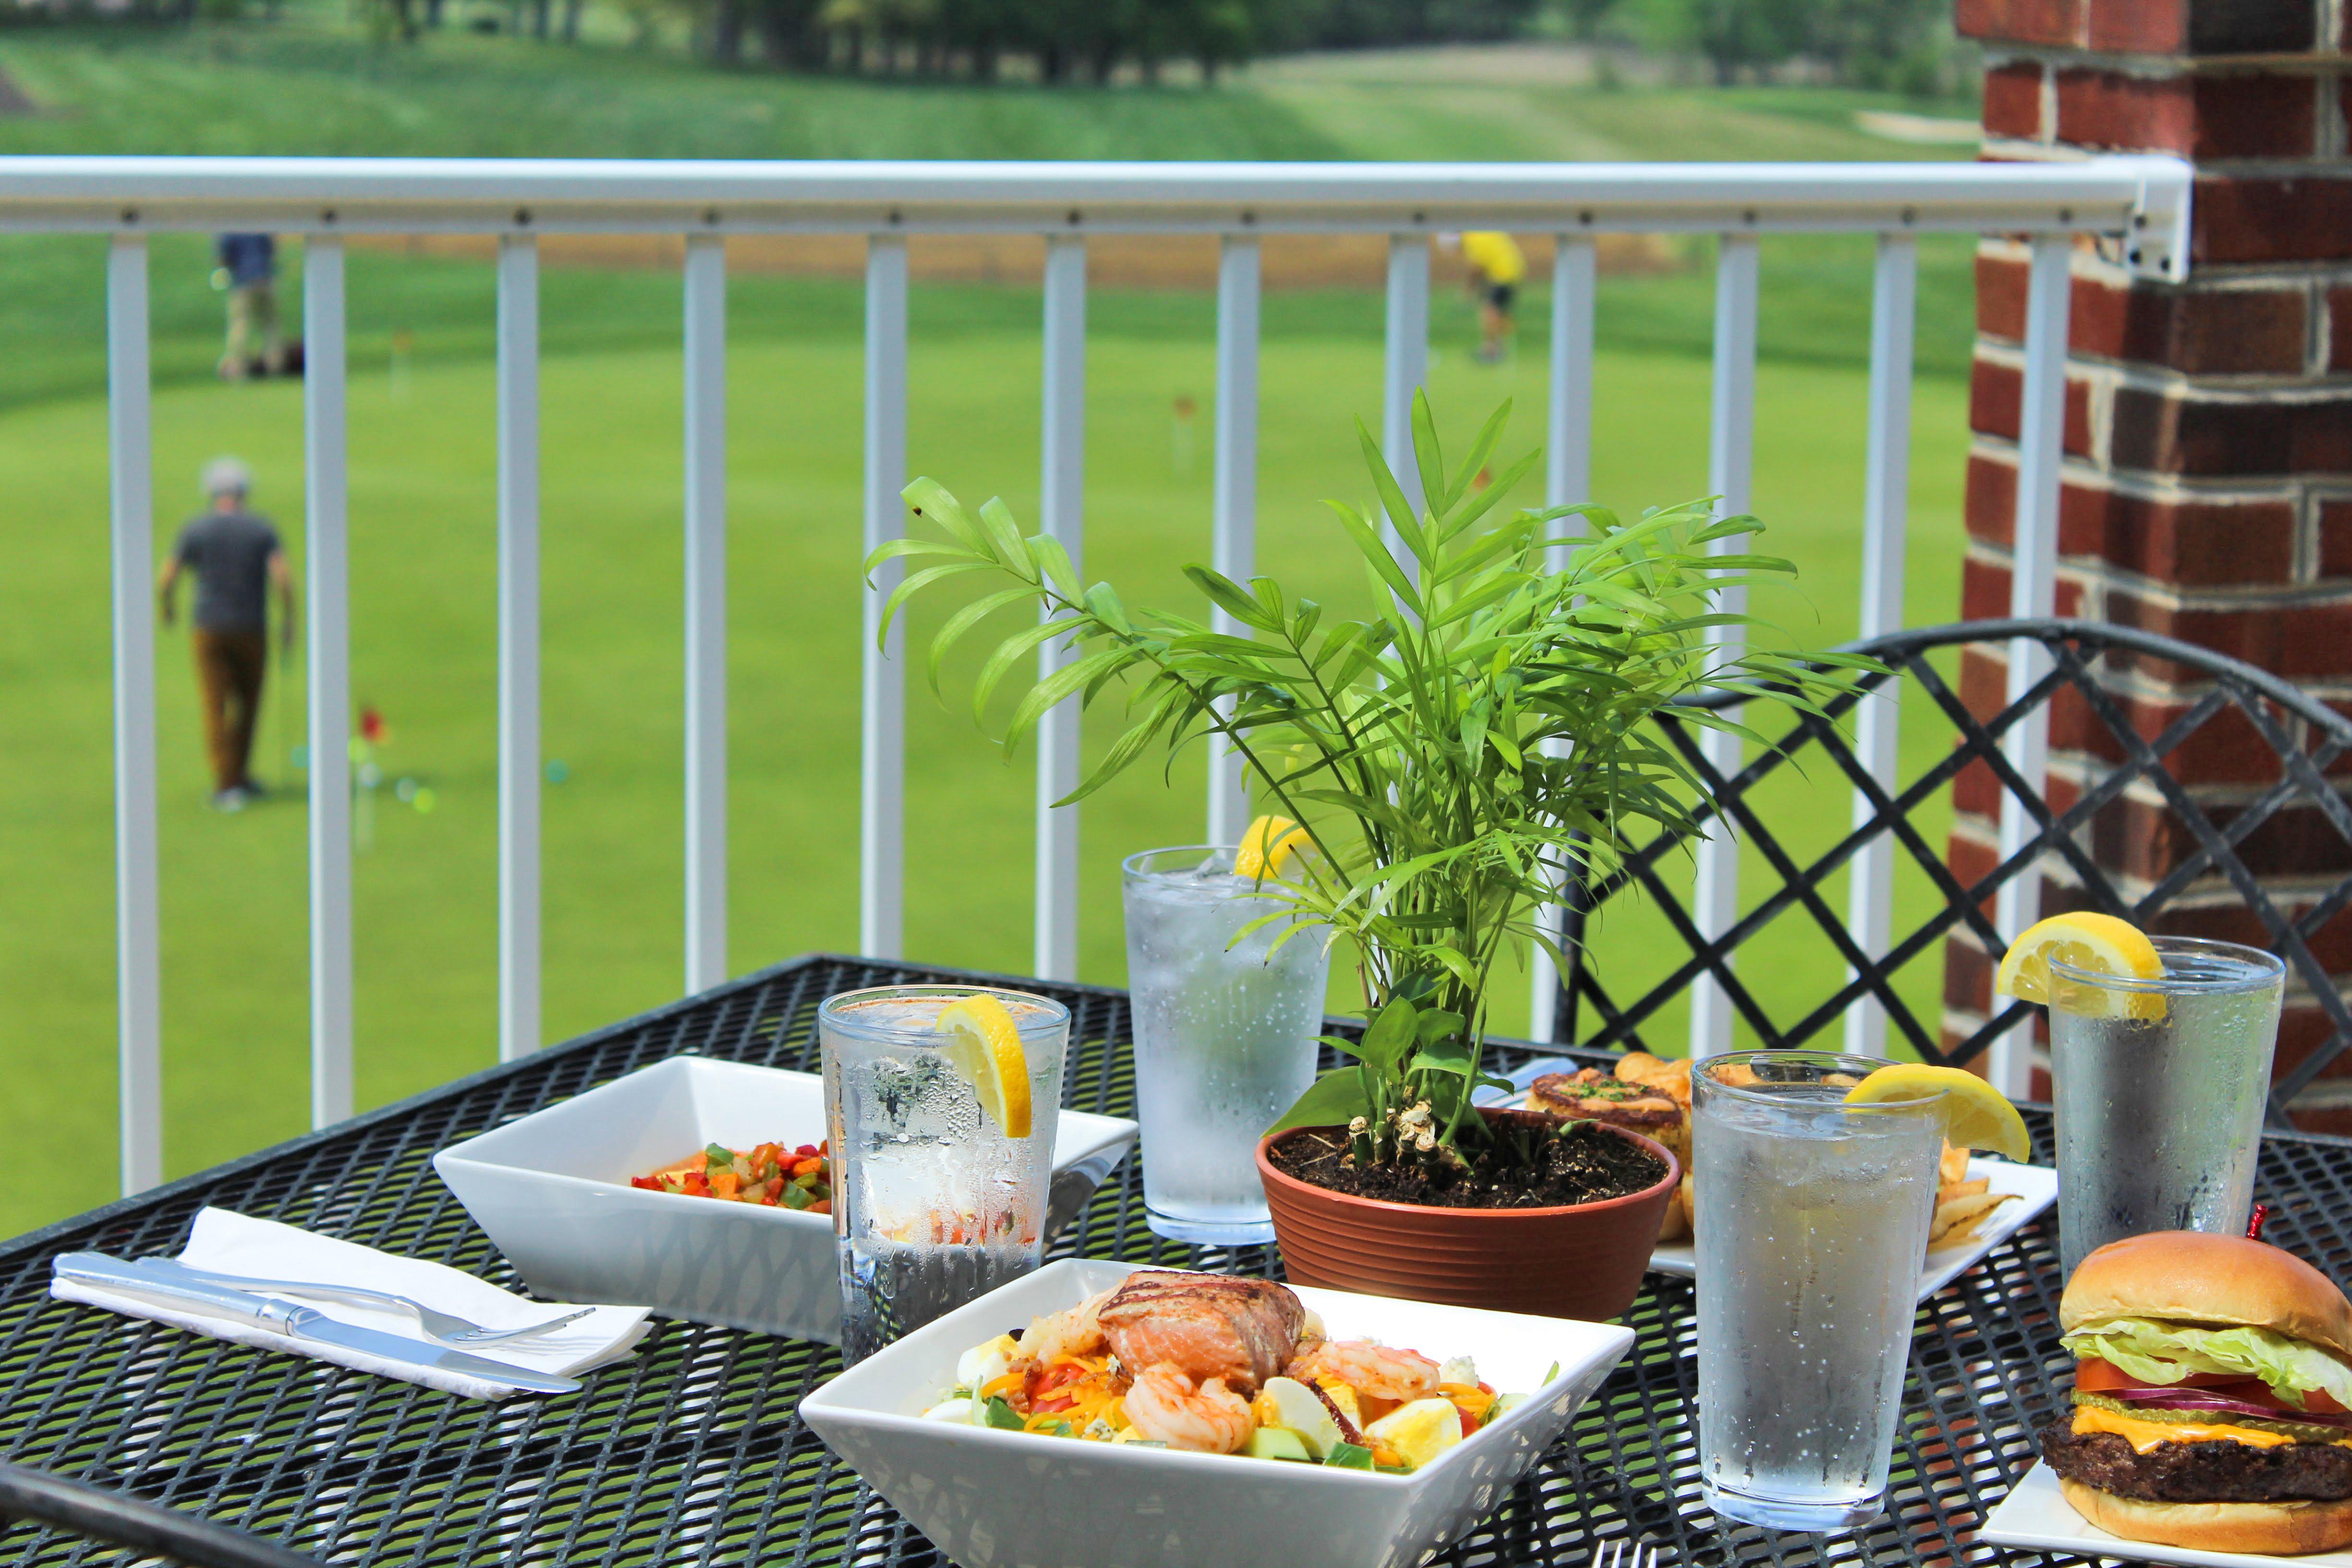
pixel 1618 1556
pixel 446 1327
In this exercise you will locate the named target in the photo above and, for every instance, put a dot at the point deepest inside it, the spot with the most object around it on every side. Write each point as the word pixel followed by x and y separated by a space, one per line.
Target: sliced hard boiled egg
pixel 1419 1431
pixel 984 1364
pixel 959 1411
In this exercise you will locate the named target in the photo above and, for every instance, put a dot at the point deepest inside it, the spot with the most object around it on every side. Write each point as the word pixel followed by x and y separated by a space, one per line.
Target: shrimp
pixel 1368 1367
pixel 1165 1407
pixel 1057 1335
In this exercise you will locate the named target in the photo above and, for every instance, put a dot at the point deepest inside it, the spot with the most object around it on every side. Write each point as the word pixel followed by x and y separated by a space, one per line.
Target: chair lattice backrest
pixel 2249 839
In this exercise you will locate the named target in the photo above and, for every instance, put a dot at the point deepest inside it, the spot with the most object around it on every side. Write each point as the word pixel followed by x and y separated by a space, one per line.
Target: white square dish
pixel 2038 1515
pixel 552 1190
pixel 986 1497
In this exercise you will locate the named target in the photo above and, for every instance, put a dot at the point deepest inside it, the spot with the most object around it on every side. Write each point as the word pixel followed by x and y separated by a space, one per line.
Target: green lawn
pixel 421 652
pixel 423 568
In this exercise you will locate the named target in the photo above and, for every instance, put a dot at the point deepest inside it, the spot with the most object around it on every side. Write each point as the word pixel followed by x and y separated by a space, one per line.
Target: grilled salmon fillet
pixel 1205 1325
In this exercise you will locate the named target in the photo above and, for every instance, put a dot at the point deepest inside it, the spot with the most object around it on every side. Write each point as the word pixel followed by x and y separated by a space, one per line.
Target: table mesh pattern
pixel 688 1453
pixel 2128 836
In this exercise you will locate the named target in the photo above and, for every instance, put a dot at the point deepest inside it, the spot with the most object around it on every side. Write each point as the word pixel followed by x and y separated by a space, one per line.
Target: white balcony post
pixel 1715 895
pixel 1405 367
pixel 1886 515
pixel 1062 515
pixel 326 551
pixel 138 960
pixel 882 759
pixel 518 447
pixel 2034 585
pixel 1233 548
pixel 1568 478
pixel 705 612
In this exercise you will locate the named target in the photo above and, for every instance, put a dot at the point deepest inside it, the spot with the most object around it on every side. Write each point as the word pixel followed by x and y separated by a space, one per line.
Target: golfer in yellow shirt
pixel 1497 266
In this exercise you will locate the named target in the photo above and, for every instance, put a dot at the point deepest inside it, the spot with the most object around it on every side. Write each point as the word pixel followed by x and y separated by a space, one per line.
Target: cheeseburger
pixel 2210 1404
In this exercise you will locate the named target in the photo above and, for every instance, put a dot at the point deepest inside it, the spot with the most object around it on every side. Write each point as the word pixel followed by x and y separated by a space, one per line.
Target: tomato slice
pixel 1059 1377
pixel 2094 1376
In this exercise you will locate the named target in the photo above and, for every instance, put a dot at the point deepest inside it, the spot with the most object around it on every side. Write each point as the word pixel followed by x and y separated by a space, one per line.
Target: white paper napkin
pixel 229 1243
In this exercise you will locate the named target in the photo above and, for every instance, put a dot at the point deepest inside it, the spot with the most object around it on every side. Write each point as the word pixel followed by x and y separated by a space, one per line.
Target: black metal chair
pixel 2295 810
pixel 148 1529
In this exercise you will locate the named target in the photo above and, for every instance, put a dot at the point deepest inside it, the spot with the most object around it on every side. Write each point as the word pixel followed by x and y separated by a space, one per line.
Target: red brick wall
pixel 2208 484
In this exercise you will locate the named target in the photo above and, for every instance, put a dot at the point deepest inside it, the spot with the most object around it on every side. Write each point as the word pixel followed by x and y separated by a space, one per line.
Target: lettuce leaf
pixel 2166 1352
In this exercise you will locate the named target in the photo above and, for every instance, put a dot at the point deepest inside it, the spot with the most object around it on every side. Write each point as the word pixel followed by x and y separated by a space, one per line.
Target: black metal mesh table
pixel 689 1452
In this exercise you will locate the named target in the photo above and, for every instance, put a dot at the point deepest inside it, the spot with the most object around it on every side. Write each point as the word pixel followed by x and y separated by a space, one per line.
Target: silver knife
pixel 300 1322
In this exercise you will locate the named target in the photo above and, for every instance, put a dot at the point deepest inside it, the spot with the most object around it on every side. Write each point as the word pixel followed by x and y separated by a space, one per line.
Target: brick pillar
pixel 2208 483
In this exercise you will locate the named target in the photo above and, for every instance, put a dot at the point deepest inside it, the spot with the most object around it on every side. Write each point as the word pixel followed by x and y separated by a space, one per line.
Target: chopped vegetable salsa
pixel 772 1174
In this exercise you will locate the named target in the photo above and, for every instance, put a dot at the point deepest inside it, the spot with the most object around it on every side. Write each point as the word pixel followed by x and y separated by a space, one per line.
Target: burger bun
pixel 2270 1529
pixel 2190 1277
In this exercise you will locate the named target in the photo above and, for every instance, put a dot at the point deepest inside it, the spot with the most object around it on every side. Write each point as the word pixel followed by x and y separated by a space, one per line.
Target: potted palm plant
pixel 1451 759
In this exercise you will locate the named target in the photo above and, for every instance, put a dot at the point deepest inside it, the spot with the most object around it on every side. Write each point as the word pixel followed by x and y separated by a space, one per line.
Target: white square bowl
pixel 551 1189
pixel 986 1497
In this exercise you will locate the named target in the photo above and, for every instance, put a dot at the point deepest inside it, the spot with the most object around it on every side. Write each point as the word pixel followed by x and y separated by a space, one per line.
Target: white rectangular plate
pixel 987 1498
pixel 553 1190
pixel 2038 1515
pixel 2036 1188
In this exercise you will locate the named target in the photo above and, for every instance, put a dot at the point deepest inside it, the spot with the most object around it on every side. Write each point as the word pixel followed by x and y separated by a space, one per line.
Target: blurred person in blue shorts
pixel 248 270
pixel 237 559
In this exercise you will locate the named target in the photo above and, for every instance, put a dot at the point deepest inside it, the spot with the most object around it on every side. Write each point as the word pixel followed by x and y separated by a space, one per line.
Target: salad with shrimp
pixel 1220 1365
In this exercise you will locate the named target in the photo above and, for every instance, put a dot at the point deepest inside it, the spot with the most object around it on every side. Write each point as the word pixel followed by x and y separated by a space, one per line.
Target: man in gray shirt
pixel 237 558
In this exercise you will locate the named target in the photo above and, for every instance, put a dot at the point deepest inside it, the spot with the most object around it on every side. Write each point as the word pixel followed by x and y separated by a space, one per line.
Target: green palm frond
pixel 1480 740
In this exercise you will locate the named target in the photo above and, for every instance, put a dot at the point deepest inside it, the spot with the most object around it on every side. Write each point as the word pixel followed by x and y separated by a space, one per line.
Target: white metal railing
pixel 2139 204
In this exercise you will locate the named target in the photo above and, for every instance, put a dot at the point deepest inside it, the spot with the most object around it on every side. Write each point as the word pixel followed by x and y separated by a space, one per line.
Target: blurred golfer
pixel 1497 267
pixel 237 558
pixel 248 270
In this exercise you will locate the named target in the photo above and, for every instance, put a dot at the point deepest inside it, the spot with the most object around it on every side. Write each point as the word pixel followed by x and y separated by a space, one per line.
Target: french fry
pixel 1952 1165
pixel 1957 1221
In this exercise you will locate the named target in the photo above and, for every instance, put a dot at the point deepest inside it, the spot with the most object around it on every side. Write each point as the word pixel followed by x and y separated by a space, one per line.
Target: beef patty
pixel 2216 1471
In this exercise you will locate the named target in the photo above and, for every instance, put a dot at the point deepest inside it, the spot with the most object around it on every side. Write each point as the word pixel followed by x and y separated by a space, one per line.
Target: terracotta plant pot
pixel 1580 1260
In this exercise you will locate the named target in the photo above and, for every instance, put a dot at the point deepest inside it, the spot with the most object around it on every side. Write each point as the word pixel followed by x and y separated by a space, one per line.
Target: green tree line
pixel 1899 44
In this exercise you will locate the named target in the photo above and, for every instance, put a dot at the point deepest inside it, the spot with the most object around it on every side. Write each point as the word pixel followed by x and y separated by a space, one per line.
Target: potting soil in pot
pixel 1585 1164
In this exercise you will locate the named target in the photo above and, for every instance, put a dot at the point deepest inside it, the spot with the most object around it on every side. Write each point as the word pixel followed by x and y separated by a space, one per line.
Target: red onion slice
pixel 2205 1399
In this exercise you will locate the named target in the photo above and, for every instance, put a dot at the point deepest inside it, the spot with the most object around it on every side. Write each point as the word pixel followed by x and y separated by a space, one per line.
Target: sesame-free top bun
pixel 2270 1529
pixel 2190 1277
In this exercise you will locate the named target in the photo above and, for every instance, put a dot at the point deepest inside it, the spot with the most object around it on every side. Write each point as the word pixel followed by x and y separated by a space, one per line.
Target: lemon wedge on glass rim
pixel 1266 846
pixel 2091 941
pixel 986 1051
pixel 1976 1114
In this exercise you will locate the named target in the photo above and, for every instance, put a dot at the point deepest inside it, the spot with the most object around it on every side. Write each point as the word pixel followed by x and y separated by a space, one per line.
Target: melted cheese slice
pixel 2144 1436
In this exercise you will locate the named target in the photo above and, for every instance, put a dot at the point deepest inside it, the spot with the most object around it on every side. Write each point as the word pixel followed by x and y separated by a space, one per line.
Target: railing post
pixel 2041 448
pixel 518 446
pixel 882 746
pixel 1714 896
pixel 138 960
pixel 1568 478
pixel 1885 515
pixel 1062 516
pixel 1233 548
pixel 326 550
pixel 705 612
pixel 1405 366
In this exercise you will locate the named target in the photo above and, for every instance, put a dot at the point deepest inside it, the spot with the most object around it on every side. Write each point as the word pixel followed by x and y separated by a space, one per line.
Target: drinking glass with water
pixel 936 1199
pixel 2159 1085
pixel 1224 1037
pixel 1811 1218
